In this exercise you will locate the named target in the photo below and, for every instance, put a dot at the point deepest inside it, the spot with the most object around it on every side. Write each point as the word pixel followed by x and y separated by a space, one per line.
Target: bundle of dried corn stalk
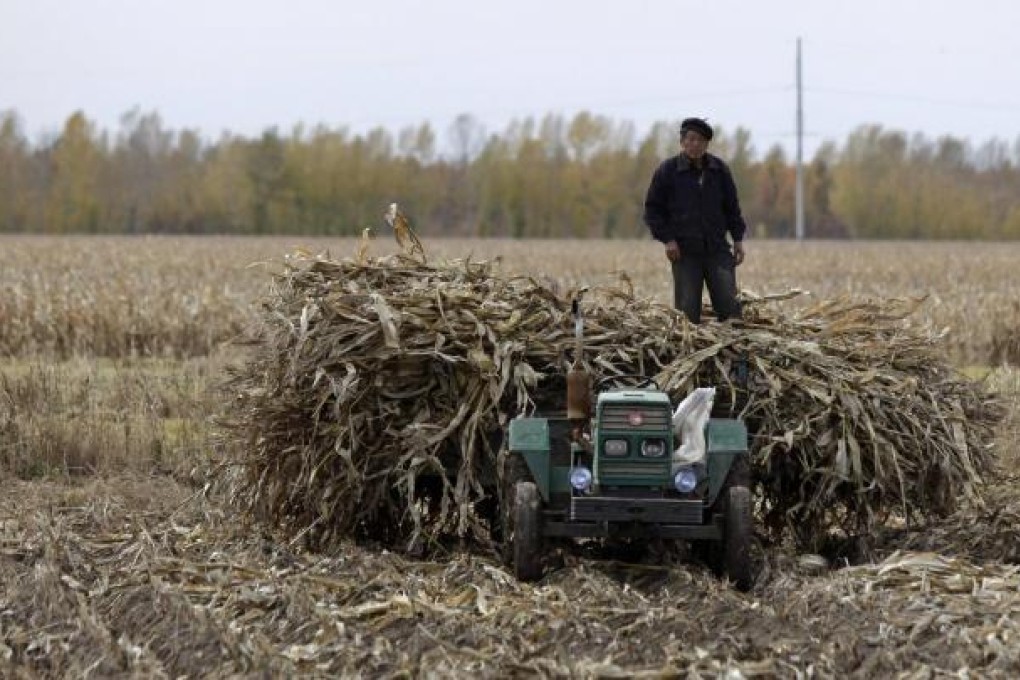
pixel 375 395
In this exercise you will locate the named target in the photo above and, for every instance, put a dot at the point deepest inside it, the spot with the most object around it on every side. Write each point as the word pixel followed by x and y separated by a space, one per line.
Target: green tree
pixel 16 192
pixel 547 177
pixel 226 192
pixel 773 201
pixel 820 220
pixel 75 165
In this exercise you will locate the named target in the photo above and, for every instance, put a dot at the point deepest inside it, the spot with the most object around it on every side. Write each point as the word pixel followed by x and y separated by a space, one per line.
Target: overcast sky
pixel 929 66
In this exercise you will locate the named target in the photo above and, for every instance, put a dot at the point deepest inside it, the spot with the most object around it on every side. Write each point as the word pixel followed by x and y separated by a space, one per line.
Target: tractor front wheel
pixel 527 532
pixel 737 539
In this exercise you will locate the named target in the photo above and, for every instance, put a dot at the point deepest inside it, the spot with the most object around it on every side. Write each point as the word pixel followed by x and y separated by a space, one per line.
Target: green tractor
pixel 618 475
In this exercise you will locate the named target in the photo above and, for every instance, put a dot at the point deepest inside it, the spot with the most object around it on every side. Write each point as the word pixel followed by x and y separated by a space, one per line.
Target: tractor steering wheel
pixel 640 382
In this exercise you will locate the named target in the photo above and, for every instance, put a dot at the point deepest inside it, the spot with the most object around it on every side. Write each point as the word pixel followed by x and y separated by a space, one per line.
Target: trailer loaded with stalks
pixel 420 406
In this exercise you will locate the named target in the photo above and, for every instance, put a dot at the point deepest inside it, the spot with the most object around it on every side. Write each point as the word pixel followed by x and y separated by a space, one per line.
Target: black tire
pixel 714 552
pixel 527 532
pixel 513 469
pixel 736 549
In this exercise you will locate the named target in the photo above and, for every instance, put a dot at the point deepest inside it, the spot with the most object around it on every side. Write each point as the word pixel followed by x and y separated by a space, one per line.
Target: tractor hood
pixel 635 397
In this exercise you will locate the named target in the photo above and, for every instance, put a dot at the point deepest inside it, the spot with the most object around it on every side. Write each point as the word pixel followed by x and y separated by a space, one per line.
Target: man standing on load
pixel 691 205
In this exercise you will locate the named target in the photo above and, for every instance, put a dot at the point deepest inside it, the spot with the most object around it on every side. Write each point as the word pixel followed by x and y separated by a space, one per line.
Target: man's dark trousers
pixel 718 270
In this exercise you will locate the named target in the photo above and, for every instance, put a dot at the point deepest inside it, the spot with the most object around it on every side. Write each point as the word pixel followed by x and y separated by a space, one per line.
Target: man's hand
pixel 738 252
pixel 672 251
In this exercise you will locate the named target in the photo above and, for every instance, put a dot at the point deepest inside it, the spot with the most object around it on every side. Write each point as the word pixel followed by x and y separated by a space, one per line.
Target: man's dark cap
pixel 699 125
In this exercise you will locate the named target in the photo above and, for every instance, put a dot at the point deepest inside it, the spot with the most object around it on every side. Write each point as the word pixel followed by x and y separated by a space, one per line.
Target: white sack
pixel 689 420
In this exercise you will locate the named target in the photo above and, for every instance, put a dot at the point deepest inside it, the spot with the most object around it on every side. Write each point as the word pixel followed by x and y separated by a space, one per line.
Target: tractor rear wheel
pixel 736 547
pixel 527 532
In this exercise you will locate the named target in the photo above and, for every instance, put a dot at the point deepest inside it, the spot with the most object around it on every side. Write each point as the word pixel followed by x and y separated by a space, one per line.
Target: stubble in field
pixel 114 561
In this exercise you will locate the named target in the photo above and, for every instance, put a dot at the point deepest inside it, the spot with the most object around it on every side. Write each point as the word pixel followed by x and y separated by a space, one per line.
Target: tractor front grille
pixel 618 417
pixel 627 468
pixel 631 473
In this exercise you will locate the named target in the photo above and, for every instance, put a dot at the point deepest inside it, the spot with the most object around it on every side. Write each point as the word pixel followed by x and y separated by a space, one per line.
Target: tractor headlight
pixel 653 448
pixel 685 480
pixel 580 478
pixel 615 447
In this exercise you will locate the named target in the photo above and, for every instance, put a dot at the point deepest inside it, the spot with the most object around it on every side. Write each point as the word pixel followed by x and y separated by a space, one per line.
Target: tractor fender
pixel 727 443
pixel 529 439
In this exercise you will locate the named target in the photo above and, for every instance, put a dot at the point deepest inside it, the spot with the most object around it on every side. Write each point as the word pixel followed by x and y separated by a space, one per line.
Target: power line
pixel 687 96
pixel 921 99
pixel 592 105
pixel 948 50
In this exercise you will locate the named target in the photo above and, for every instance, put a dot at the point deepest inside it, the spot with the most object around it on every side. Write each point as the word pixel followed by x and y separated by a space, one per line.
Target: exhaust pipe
pixel 578 380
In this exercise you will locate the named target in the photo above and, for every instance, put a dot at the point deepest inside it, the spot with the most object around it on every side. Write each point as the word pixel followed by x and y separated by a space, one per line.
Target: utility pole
pixel 800 150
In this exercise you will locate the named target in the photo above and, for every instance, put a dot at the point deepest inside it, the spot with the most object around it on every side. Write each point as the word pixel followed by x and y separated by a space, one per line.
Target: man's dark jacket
pixel 694 207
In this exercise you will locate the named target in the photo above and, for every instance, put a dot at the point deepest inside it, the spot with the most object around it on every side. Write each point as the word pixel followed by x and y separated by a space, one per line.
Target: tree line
pixel 554 176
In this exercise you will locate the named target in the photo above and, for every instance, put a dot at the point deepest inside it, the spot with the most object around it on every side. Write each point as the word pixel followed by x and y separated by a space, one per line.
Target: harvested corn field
pixel 139 577
pixel 183 297
pixel 134 566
